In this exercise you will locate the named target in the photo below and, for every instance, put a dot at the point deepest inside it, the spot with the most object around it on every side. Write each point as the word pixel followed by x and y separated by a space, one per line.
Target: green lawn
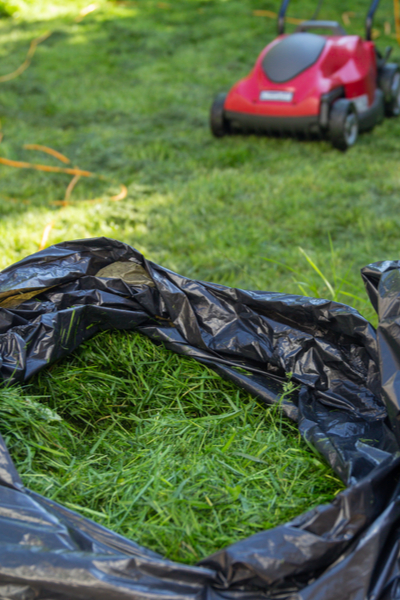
pixel 125 93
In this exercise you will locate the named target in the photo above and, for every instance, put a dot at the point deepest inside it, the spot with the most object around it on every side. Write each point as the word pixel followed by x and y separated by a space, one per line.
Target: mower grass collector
pixel 326 86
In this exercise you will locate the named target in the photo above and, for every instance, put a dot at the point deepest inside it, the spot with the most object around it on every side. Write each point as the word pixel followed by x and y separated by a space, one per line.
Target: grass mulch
pixel 159 448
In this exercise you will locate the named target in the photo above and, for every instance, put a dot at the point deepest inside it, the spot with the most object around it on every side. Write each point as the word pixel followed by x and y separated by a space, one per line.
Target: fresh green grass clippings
pixel 180 470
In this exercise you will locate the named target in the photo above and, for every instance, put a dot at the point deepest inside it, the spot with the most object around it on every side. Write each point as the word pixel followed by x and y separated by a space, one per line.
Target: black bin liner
pixel 348 408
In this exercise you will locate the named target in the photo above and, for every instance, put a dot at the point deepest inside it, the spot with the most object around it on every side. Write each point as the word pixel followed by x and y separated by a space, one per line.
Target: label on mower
pixel 361 103
pixel 276 96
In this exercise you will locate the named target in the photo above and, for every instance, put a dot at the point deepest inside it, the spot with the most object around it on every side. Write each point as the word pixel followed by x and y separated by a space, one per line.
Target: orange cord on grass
pixel 86 11
pixel 49 169
pixel 63 203
pixel 32 49
pixel 63 159
pixel 45 235
pixel 48 150
pixel 70 187
pixel 122 195
pixel 77 173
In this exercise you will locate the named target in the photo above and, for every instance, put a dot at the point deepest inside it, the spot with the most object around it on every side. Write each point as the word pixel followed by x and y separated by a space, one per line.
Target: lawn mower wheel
pixel 343 124
pixel 389 82
pixel 218 122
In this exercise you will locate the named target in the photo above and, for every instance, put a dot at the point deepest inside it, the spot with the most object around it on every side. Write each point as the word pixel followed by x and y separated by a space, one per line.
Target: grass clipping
pixel 159 448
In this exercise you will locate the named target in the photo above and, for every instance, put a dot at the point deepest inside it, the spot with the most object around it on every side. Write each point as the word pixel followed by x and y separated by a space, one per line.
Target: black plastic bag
pixel 348 407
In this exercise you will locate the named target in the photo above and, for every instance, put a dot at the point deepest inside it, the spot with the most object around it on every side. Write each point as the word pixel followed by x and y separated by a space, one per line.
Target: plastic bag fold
pixel 347 407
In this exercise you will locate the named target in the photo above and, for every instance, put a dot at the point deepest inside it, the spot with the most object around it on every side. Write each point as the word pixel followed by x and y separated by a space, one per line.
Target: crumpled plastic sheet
pixel 348 408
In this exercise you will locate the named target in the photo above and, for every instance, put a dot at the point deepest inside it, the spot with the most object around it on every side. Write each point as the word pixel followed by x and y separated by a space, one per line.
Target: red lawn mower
pixel 331 86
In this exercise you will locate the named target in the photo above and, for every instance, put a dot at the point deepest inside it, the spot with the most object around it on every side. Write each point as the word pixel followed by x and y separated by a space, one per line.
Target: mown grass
pixel 126 93
pixel 159 448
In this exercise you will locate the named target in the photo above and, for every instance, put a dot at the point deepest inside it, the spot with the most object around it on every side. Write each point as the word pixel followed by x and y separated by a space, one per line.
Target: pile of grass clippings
pixel 159 448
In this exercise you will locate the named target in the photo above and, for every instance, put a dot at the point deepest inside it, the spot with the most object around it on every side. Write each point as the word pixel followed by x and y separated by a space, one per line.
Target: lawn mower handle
pixel 332 25
pixel 370 18
pixel 368 21
pixel 282 13
pixel 281 16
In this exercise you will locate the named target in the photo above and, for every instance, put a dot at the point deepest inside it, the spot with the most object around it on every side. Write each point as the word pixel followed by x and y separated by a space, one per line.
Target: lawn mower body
pixel 314 85
pixel 345 67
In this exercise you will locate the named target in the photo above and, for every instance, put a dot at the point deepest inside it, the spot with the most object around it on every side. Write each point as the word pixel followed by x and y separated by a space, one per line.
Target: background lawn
pixel 126 93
